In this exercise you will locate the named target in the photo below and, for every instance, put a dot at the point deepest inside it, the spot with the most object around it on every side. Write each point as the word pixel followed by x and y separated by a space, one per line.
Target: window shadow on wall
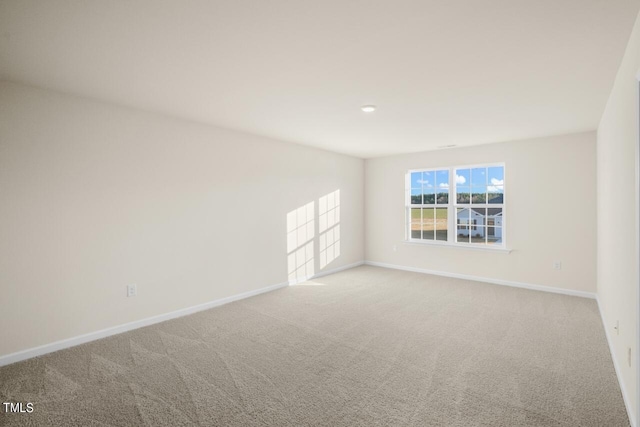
pixel 329 228
pixel 300 243
pixel 301 237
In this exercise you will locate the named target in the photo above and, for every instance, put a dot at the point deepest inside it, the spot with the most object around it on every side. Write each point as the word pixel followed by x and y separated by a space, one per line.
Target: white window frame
pixel 452 207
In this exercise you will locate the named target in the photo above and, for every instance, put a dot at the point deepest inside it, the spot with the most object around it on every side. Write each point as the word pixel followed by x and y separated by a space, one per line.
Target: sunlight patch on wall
pixel 329 227
pixel 300 235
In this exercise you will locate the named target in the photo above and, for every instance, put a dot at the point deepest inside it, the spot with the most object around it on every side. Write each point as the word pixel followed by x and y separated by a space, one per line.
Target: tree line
pixel 443 198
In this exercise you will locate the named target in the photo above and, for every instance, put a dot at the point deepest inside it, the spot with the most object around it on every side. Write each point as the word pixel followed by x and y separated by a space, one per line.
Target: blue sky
pixel 476 180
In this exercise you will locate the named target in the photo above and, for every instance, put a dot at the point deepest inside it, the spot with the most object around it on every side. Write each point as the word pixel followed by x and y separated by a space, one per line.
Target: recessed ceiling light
pixel 368 108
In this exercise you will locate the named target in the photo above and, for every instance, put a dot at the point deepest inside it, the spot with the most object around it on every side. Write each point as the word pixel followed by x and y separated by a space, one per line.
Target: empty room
pixel 330 213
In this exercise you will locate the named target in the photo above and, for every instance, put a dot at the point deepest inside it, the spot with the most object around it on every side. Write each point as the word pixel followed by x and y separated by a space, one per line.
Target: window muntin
pixel 461 205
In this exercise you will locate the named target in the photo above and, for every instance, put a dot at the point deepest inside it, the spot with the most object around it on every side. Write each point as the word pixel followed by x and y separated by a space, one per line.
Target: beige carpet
pixel 364 347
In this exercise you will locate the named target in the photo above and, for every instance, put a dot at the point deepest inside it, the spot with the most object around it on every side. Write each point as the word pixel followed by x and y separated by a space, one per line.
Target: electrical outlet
pixel 132 290
pixel 557 265
pixel 395 248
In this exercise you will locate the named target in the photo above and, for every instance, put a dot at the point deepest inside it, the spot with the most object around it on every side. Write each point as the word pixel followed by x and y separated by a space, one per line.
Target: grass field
pixel 428 213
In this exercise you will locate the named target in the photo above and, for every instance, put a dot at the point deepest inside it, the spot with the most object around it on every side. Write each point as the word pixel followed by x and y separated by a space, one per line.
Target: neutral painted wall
pixel 94 197
pixel 617 215
pixel 550 207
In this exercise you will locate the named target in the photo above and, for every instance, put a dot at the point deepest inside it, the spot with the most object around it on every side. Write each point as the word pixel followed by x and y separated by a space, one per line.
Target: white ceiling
pixel 459 72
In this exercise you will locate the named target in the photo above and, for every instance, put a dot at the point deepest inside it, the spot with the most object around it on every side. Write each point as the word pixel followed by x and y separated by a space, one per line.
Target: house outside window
pixel 457 205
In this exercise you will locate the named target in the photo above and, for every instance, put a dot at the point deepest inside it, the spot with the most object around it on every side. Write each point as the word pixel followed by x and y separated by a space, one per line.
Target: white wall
pixel 95 196
pixel 617 215
pixel 550 212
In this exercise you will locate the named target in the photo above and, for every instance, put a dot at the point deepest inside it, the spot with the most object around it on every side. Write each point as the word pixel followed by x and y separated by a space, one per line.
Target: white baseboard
pixel 531 286
pixel 92 336
pixel 324 273
pixel 335 270
pixel 625 396
pixel 623 388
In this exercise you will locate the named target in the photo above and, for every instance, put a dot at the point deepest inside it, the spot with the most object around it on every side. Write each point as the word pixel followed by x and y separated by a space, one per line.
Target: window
pixel 462 205
pixel 429 207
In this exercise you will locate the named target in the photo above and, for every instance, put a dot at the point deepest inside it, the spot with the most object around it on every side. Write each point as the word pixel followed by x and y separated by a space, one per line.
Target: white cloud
pixel 460 179
pixel 444 185
pixel 496 186
pixel 425 182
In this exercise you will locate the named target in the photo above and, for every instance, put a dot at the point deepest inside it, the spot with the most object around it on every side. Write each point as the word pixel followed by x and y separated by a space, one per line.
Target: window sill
pixel 459 246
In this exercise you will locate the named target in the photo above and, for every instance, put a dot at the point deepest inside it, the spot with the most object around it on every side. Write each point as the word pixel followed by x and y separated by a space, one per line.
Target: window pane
pixel 462 225
pixel 427 234
pixel 495 175
pixel 478 194
pixel 494 223
pixel 462 215
pixel 495 194
pixel 474 220
pixel 428 215
pixel 428 179
pixel 496 215
pixel 428 196
pixel 442 198
pixel 442 180
pixel 494 235
pixel 416 215
pixel 463 177
pixel 463 195
pixel 416 179
pixel 441 222
pixel 477 233
pixel 479 176
pixel 416 196
pixel 491 235
pixel 462 237
pixel 495 181
pixel 416 223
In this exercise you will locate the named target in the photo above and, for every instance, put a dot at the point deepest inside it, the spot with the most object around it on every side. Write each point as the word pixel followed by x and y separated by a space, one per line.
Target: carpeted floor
pixel 364 347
